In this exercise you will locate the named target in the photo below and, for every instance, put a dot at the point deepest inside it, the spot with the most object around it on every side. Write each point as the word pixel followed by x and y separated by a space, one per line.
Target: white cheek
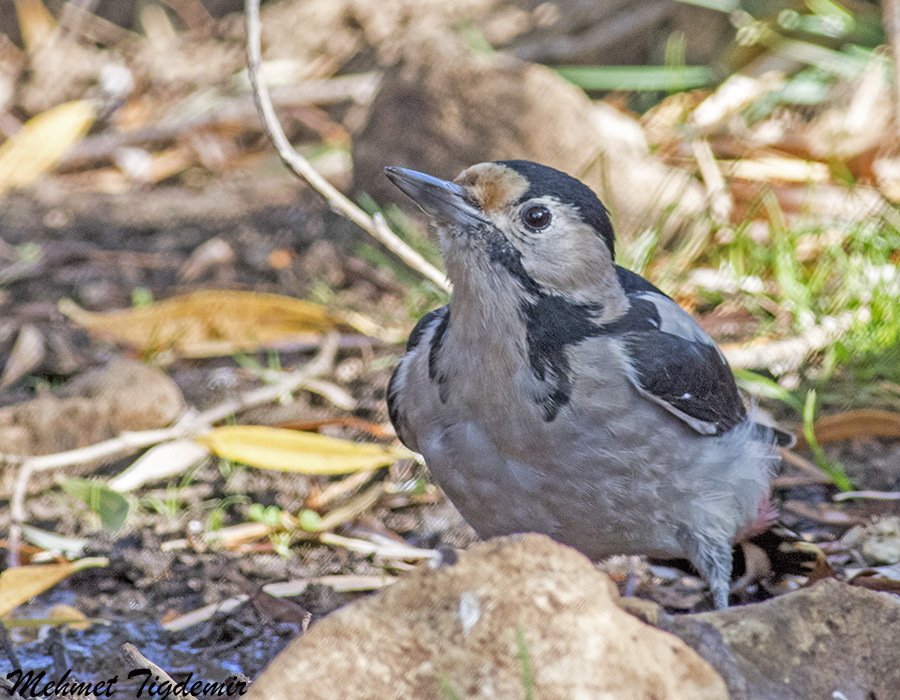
pixel 567 256
pixel 505 222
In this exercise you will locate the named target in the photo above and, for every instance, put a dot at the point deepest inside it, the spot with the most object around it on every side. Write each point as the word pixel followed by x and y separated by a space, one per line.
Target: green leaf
pixel 727 6
pixel 833 469
pixel 758 385
pixel 637 77
pixel 310 520
pixel 111 506
pixel 447 689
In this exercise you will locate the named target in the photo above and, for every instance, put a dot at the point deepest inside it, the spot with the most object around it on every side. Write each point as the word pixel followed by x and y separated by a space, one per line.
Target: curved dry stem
pixel 375 226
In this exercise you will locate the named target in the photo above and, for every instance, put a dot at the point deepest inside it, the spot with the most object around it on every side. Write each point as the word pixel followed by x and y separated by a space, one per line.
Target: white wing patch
pixel 676 321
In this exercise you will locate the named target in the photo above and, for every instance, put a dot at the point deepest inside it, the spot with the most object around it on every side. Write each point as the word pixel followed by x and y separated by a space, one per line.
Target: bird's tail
pixel 767 557
pixel 771 433
pixel 776 552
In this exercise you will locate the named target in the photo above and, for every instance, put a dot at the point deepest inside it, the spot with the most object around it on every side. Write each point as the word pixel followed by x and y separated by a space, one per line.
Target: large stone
pixel 95 406
pixel 472 629
pixel 442 108
pixel 831 640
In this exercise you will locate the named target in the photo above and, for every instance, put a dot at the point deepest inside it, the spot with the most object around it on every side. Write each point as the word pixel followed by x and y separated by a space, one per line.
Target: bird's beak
pixel 441 199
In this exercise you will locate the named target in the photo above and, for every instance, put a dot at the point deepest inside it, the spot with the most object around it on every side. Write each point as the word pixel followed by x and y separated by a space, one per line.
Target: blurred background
pixel 749 153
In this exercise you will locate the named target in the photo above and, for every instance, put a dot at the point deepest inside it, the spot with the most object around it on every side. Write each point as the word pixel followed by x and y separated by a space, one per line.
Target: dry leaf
pixel 22 583
pixel 731 97
pixel 73 617
pixel 36 24
pixel 376 430
pixel 159 462
pixel 41 142
pixel 292 451
pixel 865 422
pixel 26 354
pixel 211 323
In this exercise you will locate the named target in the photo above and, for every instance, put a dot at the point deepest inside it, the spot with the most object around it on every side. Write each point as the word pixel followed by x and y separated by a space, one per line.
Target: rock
pixel 817 642
pixel 440 111
pixel 453 632
pixel 128 395
pixel 96 406
pixel 878 542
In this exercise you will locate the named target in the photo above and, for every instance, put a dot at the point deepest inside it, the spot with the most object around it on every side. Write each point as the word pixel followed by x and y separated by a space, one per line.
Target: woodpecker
pixel 560 393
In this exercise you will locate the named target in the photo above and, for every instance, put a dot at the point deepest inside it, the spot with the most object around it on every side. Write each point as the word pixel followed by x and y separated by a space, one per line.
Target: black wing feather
pixel 440 316
pixel 684 370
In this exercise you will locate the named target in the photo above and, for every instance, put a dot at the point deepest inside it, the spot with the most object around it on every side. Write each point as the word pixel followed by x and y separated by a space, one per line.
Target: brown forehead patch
pixel 493 185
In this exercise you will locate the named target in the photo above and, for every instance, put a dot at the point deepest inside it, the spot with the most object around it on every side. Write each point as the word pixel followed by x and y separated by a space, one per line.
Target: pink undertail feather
pixel 766 516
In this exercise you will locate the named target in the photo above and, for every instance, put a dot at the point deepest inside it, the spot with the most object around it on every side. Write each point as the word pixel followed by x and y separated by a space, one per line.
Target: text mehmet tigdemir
pixel 29 684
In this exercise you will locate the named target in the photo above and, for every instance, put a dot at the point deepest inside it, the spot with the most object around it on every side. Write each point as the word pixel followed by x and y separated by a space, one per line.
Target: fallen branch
pixel 375 226
pixel 137 660
pixel 359 88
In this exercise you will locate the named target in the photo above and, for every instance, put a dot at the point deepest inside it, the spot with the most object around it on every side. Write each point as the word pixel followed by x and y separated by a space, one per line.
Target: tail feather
pixel 786 552
pixel 767 556
pixel 768 433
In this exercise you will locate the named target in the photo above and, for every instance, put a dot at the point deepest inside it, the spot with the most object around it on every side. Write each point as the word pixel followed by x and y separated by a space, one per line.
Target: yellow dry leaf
pixel 73 617
pixel 36 24
pixel 42 141
pixel 295 451
pixel 211 323
pixel 21 583
pixel 777 168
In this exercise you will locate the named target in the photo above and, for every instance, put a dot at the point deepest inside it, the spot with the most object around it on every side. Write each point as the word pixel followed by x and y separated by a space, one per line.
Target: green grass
pixel 793 277
pixel 818 271
pixel 525 669
pixel 525 663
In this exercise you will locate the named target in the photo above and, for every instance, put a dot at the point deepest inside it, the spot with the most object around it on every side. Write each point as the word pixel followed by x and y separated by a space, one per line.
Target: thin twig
pixel 872 495
pixel 375 226
pixel 789 482
pixel 393 550
pixel 190 425
pixel 17 514
pixel 721 204
pixel 137 660
pixel 815 474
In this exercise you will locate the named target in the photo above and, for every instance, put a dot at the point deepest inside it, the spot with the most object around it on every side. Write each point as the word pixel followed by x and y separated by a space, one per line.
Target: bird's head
pixel 517 224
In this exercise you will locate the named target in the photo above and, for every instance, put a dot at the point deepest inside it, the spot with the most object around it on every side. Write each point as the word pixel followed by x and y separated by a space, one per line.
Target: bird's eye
pixel 536 217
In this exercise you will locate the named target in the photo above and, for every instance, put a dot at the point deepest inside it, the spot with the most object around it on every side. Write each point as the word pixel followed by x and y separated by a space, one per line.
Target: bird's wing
pixel 673 362
pixel 425 338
